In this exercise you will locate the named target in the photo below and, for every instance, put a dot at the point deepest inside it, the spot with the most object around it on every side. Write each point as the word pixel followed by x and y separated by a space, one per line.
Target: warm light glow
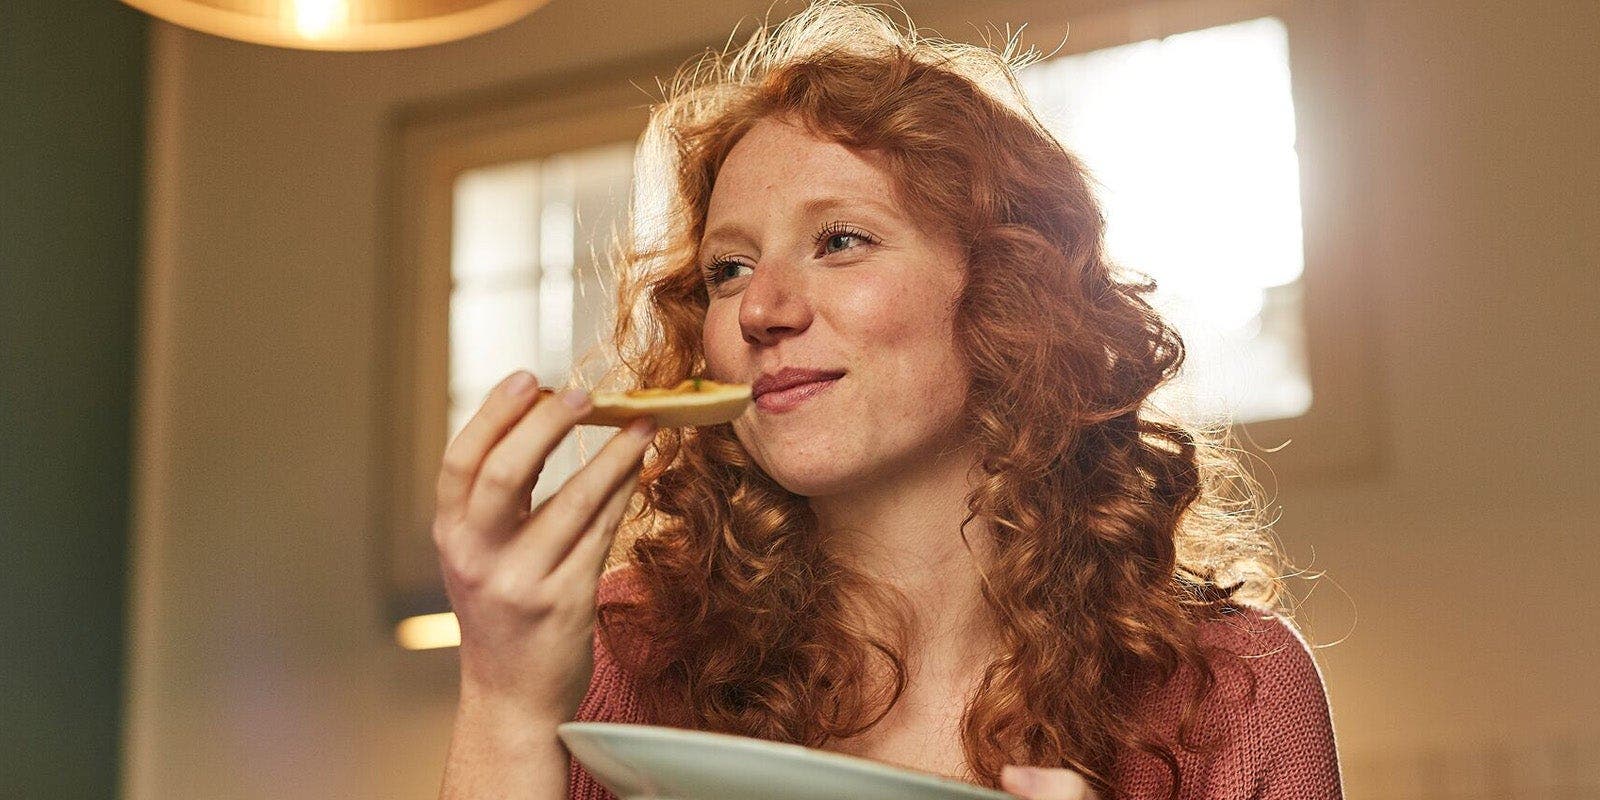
pixel 1191 140
pixel 321 19
pixel 428 632
pixel 340 24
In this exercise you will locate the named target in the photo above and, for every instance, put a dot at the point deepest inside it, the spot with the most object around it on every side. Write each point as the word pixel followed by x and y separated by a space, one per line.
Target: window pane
pixel 460 412
pixel 494 235
pixel 599 190
pixel 531 291
pixel 1191 139
pixel 493 332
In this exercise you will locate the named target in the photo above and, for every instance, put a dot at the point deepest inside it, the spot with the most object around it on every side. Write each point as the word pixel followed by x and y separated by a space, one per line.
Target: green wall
pixel 71 149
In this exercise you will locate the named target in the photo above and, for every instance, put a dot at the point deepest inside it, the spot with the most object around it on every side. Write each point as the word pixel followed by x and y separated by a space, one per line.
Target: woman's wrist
pixel 510 713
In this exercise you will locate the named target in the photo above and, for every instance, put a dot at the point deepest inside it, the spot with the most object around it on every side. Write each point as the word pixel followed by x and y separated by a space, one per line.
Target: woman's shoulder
pixel 620 584
pixel 1259 656
pixel 1252 631
pixel 620 588
pixel 1264 728
pixel 612 695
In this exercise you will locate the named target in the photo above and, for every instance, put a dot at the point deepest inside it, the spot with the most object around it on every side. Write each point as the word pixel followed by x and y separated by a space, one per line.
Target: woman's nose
pixel 773 304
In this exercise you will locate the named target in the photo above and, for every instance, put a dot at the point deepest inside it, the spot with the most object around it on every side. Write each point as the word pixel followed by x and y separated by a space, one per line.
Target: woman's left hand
pixel 1046 783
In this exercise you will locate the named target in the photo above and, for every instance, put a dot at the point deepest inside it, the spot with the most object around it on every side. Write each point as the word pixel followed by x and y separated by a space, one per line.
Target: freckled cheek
pixel 906 328
pixel 721 339
pixel 898 317
pixel 880 312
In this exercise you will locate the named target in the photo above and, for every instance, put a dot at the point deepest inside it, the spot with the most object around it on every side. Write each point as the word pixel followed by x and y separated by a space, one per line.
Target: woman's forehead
pixel 777 165
pixel 774 154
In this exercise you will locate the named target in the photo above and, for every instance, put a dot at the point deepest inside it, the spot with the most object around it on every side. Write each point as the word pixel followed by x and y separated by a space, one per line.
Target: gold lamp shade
pixel 340 24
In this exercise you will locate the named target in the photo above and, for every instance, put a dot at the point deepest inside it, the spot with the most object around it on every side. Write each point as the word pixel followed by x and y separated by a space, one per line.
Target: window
pixel 495 211
pixel 1191 139
pixel 530 288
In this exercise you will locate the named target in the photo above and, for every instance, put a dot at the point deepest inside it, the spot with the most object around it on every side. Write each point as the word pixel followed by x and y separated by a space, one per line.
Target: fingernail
pixel 576 399
pixel 519 383
pixel 1020 778
pixel 643 427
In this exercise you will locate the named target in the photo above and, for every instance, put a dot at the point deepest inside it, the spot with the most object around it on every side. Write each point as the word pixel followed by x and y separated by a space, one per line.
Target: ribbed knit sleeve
pixel 1267 722
pixel 1295 727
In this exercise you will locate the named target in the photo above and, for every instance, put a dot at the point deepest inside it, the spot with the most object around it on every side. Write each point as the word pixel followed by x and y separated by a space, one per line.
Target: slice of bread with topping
pixel 696 401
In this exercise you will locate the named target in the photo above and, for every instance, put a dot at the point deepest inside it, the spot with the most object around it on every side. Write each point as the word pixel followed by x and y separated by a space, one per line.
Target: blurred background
pixel 248 291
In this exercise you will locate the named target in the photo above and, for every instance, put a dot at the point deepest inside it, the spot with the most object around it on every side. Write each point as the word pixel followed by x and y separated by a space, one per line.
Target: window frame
pixel 1339 439
pixel 430 148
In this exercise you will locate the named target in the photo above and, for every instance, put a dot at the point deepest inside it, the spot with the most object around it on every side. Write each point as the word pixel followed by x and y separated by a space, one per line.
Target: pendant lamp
pixel 340 24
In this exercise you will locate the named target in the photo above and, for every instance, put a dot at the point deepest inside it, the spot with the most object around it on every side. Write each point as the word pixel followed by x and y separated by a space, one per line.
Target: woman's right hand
pixel 522 580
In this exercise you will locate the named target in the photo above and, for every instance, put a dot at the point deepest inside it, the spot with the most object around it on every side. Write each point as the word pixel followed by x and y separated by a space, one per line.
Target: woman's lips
pixel 790 398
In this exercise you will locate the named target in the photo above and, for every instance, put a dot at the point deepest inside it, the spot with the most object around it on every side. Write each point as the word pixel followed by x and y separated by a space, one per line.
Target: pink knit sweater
pixel 1276 743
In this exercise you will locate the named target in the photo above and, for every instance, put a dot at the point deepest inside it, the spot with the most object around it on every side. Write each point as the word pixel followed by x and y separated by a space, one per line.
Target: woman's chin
pixel 818 481
pixel 809 466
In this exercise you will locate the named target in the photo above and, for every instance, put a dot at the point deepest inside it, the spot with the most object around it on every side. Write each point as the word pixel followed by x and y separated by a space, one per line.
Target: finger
pixel 499 498
pixel 501 409
pixel 1036 783
pixel 585 562
pixel 564 518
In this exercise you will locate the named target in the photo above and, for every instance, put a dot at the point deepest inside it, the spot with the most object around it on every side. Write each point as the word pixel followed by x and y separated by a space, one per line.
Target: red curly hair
pixel 1114 531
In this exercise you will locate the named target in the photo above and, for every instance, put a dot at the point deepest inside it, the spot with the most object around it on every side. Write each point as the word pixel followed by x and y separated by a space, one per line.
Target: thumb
pixel 1042 783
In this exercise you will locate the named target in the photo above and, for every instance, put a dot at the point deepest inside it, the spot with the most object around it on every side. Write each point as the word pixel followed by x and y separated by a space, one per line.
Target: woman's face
pixel 813 265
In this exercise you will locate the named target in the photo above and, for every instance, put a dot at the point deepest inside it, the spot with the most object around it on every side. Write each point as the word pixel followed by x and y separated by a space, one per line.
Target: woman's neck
pixel 905 533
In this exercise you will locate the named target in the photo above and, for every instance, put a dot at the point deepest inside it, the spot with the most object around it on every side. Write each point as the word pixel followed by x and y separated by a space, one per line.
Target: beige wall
pixel 261 666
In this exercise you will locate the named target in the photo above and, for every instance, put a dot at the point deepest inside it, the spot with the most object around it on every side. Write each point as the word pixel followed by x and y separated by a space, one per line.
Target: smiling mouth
pixel 793 397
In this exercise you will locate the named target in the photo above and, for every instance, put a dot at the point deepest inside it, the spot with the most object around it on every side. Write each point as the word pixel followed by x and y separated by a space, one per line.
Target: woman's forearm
pixel 500 754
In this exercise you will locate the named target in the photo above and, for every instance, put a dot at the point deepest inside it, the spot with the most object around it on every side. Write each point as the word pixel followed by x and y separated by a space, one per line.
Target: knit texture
pixel 1267 721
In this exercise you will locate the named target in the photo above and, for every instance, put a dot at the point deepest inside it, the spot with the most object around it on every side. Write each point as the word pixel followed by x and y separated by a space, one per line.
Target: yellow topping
pixel 690 386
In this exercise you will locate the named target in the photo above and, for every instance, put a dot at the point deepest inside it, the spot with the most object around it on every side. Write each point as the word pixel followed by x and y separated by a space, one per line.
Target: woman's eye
pixel 836 239
pixel 723 271
pixel 839 241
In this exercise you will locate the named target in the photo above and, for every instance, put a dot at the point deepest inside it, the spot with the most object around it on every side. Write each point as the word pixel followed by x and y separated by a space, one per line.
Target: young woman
pixel 950 534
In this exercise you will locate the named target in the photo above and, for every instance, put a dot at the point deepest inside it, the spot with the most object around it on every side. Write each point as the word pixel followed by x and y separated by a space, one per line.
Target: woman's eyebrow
pixel 818 205
pixel 727 231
